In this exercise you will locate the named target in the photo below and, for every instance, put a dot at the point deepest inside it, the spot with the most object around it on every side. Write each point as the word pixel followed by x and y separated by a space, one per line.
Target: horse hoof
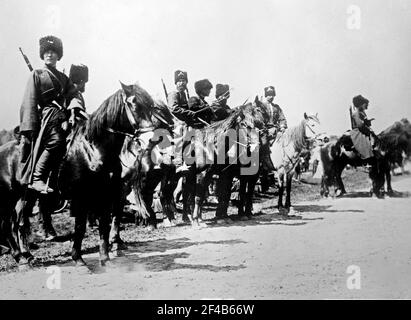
pixel 81 268
pixel 167 223
pixel 107 264
pixel 150 228
pixel 25 265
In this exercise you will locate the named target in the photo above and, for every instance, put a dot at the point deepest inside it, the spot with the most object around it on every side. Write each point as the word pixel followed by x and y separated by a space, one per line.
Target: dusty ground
pixel 303 256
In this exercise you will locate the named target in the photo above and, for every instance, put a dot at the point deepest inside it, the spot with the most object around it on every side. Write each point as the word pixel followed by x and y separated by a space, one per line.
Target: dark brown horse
pixel 143 168
pixel 336 155
pixel 89 174
pixel 227 148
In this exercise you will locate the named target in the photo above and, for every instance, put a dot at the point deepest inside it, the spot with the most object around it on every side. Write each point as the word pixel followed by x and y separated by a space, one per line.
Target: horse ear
pixel 126 88
pixel 256 100
pixel 305 116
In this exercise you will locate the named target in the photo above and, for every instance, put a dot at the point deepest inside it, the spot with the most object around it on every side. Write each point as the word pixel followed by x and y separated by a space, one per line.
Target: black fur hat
pixel 359 101
pixel 78 73
pixel 221 89
pixel 269 91
pixel 178 74
pixel 51 43
pixel 202 85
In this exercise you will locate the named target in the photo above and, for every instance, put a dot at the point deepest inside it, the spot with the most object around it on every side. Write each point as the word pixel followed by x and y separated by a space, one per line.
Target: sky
pixel 317 53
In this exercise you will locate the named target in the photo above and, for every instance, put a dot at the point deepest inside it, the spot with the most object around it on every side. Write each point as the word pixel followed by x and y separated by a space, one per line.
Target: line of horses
pixel 127 145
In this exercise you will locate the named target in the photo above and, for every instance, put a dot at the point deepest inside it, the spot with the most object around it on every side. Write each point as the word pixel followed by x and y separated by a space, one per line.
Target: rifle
pixel 165 89
pixel 352 120
pixel 27 60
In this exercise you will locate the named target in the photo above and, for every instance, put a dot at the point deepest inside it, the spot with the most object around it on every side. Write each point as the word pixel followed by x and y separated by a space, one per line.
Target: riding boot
pixel 41 174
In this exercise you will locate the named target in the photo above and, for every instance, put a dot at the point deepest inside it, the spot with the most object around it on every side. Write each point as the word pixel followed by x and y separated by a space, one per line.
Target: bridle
pixel 132 120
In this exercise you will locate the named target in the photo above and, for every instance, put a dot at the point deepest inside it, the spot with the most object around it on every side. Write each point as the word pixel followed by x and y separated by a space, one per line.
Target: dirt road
pixel 306 255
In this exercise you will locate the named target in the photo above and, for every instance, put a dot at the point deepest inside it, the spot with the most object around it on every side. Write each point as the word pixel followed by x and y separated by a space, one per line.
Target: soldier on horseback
pixel 190 112
pixel 44 126
pixel 219 106
pixel 203 113
pixel 43 114
pixel 275 123
pixel 361 133
pixel 79 76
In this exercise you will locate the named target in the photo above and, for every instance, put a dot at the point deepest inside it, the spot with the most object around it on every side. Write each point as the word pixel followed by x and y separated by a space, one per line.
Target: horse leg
pixel 388 179
pixel 223 190
pixel 80 224
pixel 104 231
pixel 21 227
pixel 200 191
pixel 252 181
pixel 288 192
pixel 280 193
pixel 45 220
pixel 339 183
pixel 166 194
pixel 188 195
pixel 117 244
pixel 242 196
pixel 7 233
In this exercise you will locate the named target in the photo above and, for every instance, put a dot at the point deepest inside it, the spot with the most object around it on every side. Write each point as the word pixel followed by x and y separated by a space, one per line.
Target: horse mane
pixel 245 112
pixel 295 135
pixel 106 116
pixel 110 112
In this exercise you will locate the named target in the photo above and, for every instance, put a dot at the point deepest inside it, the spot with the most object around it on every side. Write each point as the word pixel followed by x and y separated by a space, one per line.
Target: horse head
pixel 312 128
pixel 139 107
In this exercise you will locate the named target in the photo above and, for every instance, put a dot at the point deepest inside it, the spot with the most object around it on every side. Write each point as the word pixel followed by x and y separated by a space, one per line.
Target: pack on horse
pixel 89 174
pixel 285 154
pixel 226 148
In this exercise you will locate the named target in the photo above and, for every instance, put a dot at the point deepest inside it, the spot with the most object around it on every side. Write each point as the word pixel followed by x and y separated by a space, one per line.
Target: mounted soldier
pixel 178 104
pixel 361 133
pixel 219 106
pixel 203 113
pixel 77 107
pixel 275 123
pixel 44 126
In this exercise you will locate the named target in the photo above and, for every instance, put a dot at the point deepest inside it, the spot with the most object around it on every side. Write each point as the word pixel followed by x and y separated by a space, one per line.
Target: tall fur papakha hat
pixel 221 89
pixel 269 91
pixel 78 73
pixel 202 85
pixel 180 75
pixel 51 43
pixel 359 101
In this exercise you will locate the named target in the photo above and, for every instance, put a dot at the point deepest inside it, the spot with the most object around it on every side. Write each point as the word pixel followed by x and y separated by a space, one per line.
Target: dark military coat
pixel 177 102
pixel 221 111
pixel 43 87
pixel 275 116
pixel 361 122
pixel 202 111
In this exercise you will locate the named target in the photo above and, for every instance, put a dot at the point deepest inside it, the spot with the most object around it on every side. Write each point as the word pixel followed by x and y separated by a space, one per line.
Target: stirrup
pixel 41 187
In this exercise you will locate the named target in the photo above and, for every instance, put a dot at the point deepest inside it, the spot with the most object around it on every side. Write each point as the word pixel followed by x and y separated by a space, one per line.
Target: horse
pixel 144 168
pixel 225 148
pixel 336 155
pixel 285 154
pixel 89 174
